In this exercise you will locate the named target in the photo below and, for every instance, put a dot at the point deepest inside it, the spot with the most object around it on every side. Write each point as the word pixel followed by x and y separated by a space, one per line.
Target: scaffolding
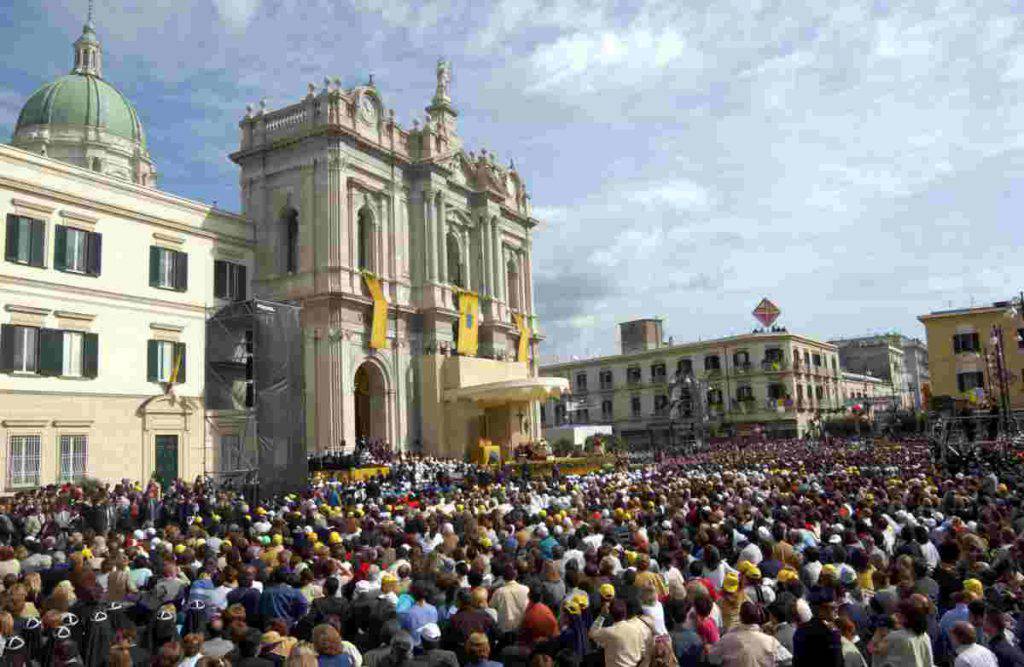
pixel 254 383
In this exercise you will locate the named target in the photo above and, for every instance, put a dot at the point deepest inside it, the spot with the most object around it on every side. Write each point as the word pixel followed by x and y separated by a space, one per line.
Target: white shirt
pixel 975 655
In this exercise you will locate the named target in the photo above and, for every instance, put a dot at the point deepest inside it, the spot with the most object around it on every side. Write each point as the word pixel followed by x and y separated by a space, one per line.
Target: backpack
pixel 659 649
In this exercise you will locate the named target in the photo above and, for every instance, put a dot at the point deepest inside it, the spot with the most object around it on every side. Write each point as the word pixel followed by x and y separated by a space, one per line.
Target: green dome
pixel 83 100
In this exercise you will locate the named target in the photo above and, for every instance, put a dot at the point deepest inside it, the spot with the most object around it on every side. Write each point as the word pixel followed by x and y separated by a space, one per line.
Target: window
pixel 776 391
pixel 166 362
pixel 583 416
pixel 543 415
pixel 741 359
pixel 660 404
pixel 72 457
pixel 25 240
pixel 364 259
pixel 51 352
pixel 291 241
pixel 229 280
pixel 76 250
pixel 969 380
pixel 72 354
pixel 966 342
pixel 712 363
pixel 807 357
pixel 657 372
pixel 714 397
pixel 634 406
pixel 559 414
pixel 684 367
pixel 513 286
pixel 799 392
pixel 454 261
pixel 744 393
pixel 817 360
pixel 606 409
pixel 20 349
pixel 23 461
pixel 819 392
pixel 168 269
pixel 633 375
pixel 1020 339
pixel 581 382
pixel 606 379
pixel 230 452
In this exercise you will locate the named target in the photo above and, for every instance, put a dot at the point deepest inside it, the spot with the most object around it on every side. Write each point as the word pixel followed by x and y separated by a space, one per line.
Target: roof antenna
pixel 88 18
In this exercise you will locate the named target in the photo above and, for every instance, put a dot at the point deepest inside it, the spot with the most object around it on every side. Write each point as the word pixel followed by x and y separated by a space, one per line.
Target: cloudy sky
pixel 859 165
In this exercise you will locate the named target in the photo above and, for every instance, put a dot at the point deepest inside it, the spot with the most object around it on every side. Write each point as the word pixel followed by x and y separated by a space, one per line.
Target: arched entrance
pixel 371 403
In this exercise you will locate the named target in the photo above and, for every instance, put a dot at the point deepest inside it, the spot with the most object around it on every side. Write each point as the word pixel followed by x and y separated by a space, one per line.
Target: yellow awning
pixel 509 391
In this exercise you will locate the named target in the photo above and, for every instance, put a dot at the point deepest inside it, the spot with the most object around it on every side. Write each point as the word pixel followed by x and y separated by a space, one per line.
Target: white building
pixel 105 287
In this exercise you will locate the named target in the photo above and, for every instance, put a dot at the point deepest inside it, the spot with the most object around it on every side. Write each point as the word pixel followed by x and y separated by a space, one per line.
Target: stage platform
pixel 569 465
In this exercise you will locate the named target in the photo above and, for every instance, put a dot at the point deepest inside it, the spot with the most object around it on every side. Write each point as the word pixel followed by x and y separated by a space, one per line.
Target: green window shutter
pixel 60 247
pixel 51 352
pixel 38 246
pixel 152 359
pixel 11 249
pixel 180 271
pixel 220 279
pixel 93 253
pixel 90 355
pixel 179 354
pixel 240 290
pixel 154 266
pixel 7 348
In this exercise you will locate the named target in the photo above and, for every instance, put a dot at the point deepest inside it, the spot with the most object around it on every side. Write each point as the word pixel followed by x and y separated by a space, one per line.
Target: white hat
pixel 430 632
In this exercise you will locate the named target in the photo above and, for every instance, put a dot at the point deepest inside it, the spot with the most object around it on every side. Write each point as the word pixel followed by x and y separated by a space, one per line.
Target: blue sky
pixel 859 163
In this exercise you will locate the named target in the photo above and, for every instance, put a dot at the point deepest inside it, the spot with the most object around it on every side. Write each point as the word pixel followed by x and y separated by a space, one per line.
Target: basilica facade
pixel 351 211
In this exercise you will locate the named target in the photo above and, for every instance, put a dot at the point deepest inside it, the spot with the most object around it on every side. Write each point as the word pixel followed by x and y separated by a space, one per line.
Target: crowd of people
pixel 783 552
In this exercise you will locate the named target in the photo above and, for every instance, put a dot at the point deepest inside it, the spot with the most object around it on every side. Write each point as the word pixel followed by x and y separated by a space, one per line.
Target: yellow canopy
pixel 509 391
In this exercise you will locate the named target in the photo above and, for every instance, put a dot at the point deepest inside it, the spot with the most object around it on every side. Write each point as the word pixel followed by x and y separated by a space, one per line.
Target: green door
pixel 166 459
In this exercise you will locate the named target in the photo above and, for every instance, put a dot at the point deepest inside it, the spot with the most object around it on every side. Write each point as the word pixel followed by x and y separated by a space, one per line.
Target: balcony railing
pixel 713 372
pixel 743 367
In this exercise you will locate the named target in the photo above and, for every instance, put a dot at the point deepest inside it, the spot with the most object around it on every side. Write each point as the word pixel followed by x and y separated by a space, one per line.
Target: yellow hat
pixel 743 566
pixel 787 574
pixel 334 537
pixel 197 519
pixel 731 583
pixel 571 607
pixel 542 513
pixel 388 578
pixel 607 591
pixel 261 511
pixel 179 548
pixel 829 569
pixel 974 587
pixel 87 552
pixel 582 600
pixel 753 572
pixel 485 542
pixel 277 539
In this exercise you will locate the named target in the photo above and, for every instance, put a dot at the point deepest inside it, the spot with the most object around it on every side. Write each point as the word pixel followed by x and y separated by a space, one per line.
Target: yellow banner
pixel 469 315
pixel 379 330
pixel 523 350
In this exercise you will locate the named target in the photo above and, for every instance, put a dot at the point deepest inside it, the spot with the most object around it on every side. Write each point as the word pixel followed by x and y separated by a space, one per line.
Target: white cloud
pixel 237 14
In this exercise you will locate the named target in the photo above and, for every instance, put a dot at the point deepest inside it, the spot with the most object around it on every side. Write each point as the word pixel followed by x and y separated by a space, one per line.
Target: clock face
pixel 367 109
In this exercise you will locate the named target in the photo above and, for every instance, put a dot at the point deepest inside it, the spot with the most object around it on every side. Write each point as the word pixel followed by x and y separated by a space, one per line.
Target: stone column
pixel 498 261
pixel 528 277
pixel 467 262
pixel 335 210
pixel 429 236
pixel 487 276
pixel 442 240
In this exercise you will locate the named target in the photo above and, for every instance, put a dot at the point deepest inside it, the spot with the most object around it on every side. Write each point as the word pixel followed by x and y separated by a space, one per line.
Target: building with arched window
pixel 411 209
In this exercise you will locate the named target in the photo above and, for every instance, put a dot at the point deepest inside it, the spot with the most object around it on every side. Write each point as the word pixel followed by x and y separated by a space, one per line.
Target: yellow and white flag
pixel 379 329
pixel 469 316
pixel 523 349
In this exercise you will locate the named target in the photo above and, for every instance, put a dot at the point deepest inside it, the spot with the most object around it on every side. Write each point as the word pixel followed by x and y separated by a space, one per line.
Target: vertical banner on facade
pixel 379 330
pixel 469 315
pixel 523 350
